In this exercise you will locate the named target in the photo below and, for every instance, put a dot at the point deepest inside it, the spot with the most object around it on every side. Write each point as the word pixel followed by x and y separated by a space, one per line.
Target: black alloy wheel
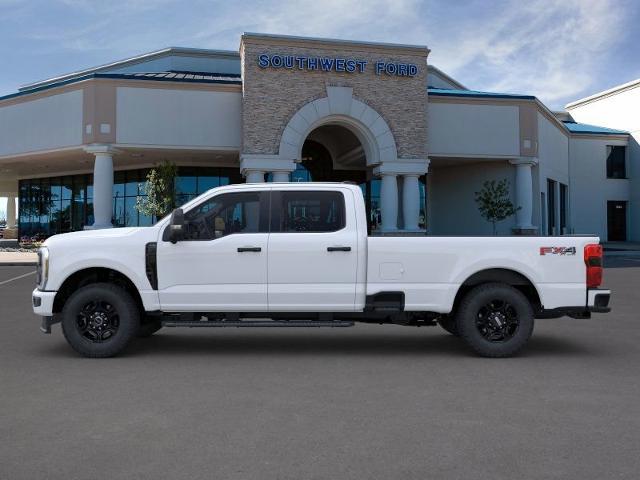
pixel 98 321
pixel 495 319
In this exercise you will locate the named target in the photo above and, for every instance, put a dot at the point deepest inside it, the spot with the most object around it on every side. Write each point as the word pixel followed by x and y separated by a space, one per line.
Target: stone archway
pixel 340 108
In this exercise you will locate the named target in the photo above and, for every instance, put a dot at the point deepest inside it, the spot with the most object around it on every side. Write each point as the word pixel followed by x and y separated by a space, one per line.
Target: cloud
pixel 551 49
pixel 555 49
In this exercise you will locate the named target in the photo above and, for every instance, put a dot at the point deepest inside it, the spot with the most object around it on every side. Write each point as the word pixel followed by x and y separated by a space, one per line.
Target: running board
pixel 257 323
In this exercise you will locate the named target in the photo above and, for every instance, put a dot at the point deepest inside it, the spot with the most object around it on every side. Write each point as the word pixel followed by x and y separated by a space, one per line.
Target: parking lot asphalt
pixel 372 402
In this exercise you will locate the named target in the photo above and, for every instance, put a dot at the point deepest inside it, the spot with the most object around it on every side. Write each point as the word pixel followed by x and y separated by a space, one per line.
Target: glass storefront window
pixel 62 204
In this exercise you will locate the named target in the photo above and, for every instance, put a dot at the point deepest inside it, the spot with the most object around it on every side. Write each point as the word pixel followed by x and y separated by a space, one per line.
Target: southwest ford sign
pixel 331 64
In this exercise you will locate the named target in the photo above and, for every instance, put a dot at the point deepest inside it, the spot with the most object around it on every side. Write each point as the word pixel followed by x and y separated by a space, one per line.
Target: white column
pixel 389 202
pixel 524 192
pixel 280 176
pixel 11 212
pixel 410 201
pixel 254 176
pixel 102 186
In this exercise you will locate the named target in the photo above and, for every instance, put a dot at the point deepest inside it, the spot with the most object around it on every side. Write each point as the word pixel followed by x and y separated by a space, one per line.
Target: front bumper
pixel 42 303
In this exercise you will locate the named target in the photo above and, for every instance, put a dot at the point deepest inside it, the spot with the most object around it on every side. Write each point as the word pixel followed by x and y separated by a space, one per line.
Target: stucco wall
pixel 165 117
pixel 620 111
pixel 553 158
pixel 272 96
pixel 452 198
pixel 590 189
pixel 45 123
pixel 464 129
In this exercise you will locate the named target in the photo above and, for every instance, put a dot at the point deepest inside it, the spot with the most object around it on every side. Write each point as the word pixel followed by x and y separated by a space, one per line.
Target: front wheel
pixel 495 320
pixel 99 320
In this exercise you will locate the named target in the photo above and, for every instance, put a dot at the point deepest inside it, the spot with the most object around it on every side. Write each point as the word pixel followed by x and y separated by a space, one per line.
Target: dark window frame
pixel 615 169
pixel 277 205
pixel 263 215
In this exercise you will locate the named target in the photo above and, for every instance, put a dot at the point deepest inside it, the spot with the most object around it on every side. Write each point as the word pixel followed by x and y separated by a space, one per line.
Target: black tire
pixel 99 320
pixel 448 323
pixel 148 327
pixel 495 320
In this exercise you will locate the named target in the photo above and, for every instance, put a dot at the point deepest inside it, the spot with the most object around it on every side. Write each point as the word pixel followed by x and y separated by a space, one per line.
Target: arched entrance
pixel 333 153
pixel 340 138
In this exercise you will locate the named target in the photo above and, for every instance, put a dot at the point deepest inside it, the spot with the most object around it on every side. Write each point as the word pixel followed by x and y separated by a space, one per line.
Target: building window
pixel 616 161
pixel 62 204
pixel 564 206
pixel 551 207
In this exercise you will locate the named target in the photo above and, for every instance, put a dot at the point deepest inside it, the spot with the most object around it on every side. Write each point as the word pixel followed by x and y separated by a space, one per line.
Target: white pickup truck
pixel 298 255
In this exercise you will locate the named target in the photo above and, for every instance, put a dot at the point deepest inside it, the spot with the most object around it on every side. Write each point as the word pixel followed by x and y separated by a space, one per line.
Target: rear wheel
pixel 99 320
pixel 495 319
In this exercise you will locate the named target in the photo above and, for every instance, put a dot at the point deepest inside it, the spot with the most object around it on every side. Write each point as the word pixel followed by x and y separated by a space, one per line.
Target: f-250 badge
pixel 557 250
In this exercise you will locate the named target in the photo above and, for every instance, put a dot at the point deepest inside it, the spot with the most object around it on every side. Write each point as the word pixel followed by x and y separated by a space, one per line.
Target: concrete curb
pixel 18 264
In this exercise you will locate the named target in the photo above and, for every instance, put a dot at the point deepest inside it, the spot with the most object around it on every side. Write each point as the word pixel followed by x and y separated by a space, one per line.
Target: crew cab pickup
pixel 299 255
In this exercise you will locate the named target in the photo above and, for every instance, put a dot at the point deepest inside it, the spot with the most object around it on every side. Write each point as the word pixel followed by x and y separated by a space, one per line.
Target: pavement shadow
pixel 301 344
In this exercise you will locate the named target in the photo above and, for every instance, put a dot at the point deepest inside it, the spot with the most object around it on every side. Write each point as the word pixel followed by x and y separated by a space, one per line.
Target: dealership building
pixel 75 149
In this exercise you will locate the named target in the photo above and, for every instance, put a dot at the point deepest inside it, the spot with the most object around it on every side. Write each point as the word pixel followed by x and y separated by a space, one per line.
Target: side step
pixel 258 323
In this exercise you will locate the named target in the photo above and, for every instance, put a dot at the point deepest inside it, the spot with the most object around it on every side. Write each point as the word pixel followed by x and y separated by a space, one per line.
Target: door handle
pixel 338 249
pixel 249 249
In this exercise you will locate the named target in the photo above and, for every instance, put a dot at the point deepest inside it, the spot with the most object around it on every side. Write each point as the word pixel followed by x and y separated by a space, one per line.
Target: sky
pixel 558 50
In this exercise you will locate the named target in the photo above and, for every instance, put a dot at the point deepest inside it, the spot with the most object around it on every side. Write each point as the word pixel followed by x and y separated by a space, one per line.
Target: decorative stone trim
pixel 265 163
pixel 403 166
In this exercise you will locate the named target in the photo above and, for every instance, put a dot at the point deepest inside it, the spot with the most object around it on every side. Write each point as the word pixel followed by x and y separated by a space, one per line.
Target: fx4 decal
pixel 557 250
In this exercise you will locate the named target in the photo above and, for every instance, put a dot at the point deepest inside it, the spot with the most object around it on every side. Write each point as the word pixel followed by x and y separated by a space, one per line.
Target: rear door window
pixel 308 212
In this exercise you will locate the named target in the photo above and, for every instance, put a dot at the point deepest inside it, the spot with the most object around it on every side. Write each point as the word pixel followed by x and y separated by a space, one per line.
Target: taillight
pixel 593 261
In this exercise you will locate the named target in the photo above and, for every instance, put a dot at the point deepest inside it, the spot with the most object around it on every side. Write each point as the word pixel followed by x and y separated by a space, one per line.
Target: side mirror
pixel 176 226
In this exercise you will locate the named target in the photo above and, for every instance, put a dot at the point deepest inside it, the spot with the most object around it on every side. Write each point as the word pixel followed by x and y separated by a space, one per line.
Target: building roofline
pixel 320 40
pixel 447 77
pixel 604 93
pixel 120 76
pixel 445 92
pixel 131 61
pixel 475 95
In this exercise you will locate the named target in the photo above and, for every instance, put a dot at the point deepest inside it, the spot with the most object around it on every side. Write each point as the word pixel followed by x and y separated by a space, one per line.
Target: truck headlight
pixel 43 267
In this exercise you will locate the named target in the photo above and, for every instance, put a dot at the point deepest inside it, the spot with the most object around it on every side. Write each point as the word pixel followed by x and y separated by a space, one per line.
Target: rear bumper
pixel 597 302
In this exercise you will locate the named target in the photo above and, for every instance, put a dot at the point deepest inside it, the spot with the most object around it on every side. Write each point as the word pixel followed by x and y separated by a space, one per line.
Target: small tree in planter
pixel 494 203
pixel 160 197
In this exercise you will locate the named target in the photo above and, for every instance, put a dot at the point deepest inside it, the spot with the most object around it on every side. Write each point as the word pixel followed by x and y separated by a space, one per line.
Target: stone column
pixel 409 170
pixel 11 212
pixel 410 201
pixel 524 195
pixel 389 202
pixel 102 186
pixel 280 176
pixel 254 176
pixel 254 166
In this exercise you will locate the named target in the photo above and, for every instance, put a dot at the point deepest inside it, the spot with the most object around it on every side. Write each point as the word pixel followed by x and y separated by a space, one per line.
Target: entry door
pixel 313 251
pixel 617 221
pixel 221 265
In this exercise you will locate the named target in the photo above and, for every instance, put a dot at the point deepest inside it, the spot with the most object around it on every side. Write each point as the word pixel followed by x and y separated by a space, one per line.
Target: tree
pixel 160 196
pixel 494 203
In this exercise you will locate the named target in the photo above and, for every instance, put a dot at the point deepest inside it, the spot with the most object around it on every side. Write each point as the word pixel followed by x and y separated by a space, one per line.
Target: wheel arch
pixel 507 276
pixel 87 276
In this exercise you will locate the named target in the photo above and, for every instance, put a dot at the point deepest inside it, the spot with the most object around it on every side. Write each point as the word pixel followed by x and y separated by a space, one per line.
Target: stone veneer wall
pixel 271 96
